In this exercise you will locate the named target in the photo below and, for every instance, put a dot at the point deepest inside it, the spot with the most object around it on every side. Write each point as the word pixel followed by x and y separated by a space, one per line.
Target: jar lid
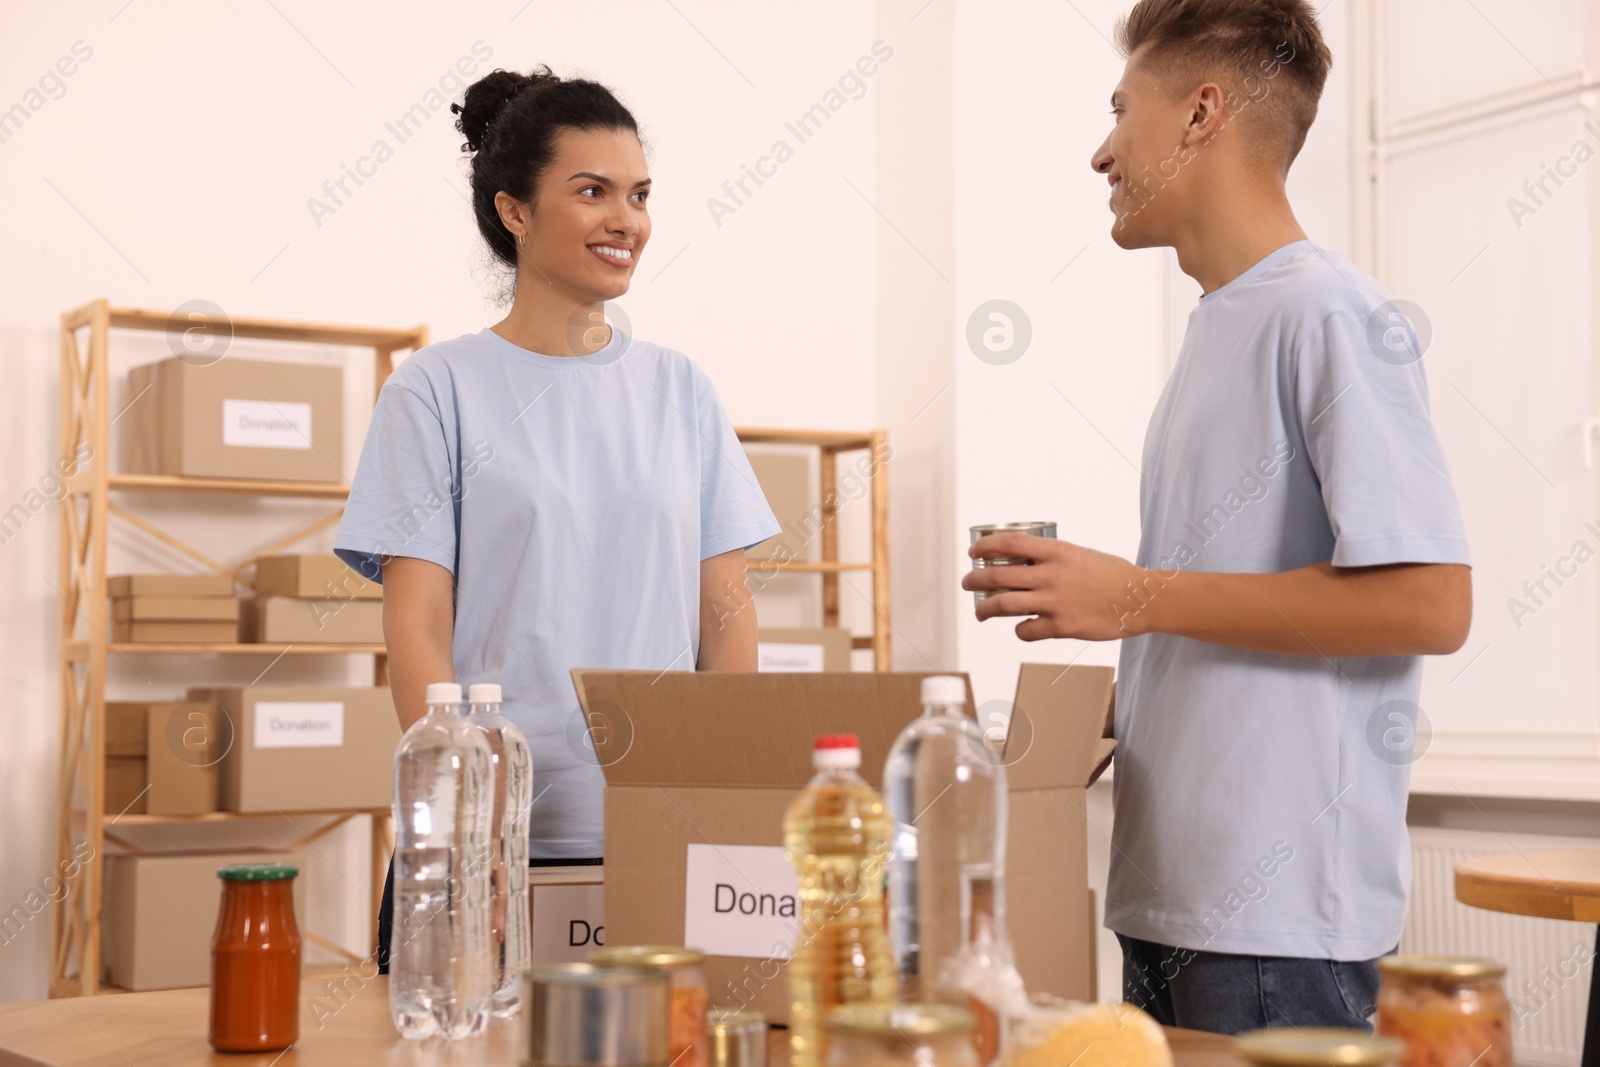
pixel 257 872
pixel 911 1020
pixel 646 956
pixel 1441 966
pixel 1291 1046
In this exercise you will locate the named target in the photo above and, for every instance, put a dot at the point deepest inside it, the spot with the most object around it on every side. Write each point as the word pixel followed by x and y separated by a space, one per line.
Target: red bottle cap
pixel 837 741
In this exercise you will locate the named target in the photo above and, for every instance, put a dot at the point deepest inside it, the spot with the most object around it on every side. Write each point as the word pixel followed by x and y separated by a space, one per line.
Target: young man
pixel 1301 549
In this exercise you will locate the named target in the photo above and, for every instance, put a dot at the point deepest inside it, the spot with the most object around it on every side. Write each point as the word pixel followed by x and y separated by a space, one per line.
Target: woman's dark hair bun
pixel 512 123
pixel 486 100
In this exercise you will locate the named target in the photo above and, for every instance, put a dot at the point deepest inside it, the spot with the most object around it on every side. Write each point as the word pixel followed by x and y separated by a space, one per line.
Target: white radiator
pixel 1549 962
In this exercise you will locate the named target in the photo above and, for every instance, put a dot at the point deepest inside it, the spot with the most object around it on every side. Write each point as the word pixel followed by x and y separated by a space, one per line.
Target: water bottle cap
pixel 483 693
pixel 944 689
pixel 836 750
pixel 443 693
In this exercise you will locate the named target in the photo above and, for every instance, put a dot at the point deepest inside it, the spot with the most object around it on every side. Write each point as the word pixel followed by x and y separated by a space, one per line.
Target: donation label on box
pixel 740 900
pixel 569 922
pixel 266 424
pixel 773 656
pixel 300 724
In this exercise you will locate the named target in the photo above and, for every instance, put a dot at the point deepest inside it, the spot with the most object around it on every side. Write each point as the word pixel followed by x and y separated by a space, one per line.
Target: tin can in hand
pixel 1035 529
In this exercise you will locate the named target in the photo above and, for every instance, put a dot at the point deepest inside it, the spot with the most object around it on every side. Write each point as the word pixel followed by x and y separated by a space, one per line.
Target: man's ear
pixel 1208 114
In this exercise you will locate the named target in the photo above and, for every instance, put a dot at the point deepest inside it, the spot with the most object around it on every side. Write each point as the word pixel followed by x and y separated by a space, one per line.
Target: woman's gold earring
pixel 522 238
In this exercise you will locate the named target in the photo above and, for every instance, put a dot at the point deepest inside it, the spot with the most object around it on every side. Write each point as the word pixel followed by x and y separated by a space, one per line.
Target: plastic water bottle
pixel 836 834
pixel 510 947
pixel 440 975
pixel 945 787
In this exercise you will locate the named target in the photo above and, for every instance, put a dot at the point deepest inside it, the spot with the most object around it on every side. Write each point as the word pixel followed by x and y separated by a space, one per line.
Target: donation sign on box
pixel 740 900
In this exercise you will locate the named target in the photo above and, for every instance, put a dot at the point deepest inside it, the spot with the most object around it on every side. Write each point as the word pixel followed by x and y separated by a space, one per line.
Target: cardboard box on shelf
pixel 784 475
pixel 305 749
pixel 178 744
pixel 207 585
pixel 125 631
pixel 566 913
pixel 126 779
pixel 803 649
pixel 175 609
pixel 321 576
pixel 235 418
pixel 282 619
pixel 158 913
pixel 686 825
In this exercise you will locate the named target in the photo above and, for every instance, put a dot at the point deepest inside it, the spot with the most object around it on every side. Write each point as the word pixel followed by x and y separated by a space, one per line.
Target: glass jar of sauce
pixel 255 960
pixel 1292 1046
pixel 1450 1011
pixel 691 995
pixel 908 1035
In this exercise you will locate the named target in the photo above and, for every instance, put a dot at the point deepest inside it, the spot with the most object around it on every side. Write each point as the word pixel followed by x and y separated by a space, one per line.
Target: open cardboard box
pixel 700 768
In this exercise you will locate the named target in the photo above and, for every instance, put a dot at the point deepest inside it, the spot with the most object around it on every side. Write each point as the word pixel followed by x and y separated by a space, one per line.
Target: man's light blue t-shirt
pixel 573 499
pixel 1261 799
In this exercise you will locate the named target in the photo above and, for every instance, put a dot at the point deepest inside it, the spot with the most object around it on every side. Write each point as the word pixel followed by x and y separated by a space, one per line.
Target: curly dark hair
pixel 510 121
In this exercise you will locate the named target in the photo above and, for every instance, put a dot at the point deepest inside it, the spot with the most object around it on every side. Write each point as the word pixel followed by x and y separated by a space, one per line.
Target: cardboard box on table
pixel 566 912
pixel 235 418
pixel 158 913
pixel 700 769
pixel 305 749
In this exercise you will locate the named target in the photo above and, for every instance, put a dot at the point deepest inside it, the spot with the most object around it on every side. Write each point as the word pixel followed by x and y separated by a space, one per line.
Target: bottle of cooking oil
pixel 837 835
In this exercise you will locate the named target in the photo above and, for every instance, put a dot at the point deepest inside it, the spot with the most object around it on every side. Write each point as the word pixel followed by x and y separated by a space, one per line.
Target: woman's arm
pixel 727 615
pixel 419 628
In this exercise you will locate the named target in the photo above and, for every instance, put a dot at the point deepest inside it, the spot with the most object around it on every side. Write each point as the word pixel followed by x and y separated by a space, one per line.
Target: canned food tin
pixel 736 1038
pixel 579 1015
pixel 1033 529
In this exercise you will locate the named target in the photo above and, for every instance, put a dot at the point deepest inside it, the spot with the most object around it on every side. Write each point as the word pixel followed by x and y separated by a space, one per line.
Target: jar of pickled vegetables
pixel 908 1035
pixel 1297 1046
pixel 690 993
pixel 1449 1011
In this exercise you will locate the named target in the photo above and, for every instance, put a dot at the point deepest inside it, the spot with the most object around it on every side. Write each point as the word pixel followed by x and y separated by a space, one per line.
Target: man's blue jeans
pixel 1228 994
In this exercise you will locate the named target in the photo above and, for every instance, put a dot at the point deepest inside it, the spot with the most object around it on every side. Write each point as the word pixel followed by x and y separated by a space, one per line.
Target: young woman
pixel 550 493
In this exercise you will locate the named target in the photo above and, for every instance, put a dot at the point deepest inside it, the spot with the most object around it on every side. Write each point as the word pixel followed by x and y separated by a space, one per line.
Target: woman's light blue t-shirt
pixel 573 499
pixel 1261 799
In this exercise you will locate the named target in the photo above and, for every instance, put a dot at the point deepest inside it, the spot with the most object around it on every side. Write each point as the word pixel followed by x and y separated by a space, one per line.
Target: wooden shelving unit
pixel 86 511
pixel 831 444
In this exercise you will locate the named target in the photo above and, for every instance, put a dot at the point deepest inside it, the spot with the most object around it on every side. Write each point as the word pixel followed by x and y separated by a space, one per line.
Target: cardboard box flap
pixel 1057 721
pixel 674 728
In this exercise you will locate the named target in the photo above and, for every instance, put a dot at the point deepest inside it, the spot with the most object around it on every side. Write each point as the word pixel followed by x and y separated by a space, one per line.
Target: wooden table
pixel 169 1029
pixel 1559 884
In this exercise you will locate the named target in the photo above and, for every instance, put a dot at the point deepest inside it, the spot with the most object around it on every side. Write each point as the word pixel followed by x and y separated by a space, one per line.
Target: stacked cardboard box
pixel 173 607
pixel 312 598
pixel 161 759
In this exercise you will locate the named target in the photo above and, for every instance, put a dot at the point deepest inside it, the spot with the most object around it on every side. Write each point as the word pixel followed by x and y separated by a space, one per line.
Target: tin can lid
pixel 257 872
pixel 731 1020
pixel 910 1020
pixel 1460 967
pixel 1291 1046
pixel 646 956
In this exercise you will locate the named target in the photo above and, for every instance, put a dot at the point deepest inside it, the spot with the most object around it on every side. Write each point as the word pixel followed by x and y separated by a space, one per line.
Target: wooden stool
pixel 1559 884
